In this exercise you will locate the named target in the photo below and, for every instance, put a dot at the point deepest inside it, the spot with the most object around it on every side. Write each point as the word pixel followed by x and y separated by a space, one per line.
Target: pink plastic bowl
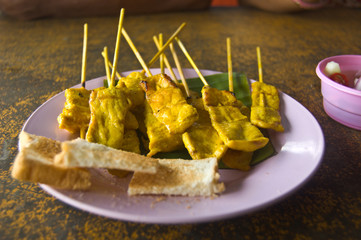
pixel 342 103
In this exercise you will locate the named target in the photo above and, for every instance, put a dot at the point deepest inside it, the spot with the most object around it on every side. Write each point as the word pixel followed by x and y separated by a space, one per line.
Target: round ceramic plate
pixel 299 152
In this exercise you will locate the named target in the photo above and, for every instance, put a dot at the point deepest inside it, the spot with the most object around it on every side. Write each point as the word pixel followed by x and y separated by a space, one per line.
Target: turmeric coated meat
pixel 132 88
pixel 75 116
pixel 201 139
pixel 168 103
pixel 108 107
pixel 160 139
pixel 237 159
pixel 265 107
pixel 232 126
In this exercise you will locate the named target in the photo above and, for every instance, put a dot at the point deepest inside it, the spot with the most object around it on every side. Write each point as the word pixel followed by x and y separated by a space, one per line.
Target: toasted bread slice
pixel 80 153
pixel 35 163
pixel 179 177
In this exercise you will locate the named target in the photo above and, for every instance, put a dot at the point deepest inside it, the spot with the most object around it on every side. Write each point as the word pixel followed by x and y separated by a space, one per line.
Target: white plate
pixel 300 149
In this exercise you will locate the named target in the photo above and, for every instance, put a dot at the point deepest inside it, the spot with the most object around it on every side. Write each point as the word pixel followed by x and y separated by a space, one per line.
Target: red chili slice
pixel 339 78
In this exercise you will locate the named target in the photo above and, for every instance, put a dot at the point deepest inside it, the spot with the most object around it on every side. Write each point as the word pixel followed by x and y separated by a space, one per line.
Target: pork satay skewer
pixel 117 43
pixel 166 62
pixel 184 50
pixel 234 158
pixel 76 113
pixel 136 53
pixel 202 139
pixel 130 139
pixel 130 122
pixel 175 34
pixel 265 102
pixel 109 107
pixel 229 64
pixel 233 127
pixel 83 70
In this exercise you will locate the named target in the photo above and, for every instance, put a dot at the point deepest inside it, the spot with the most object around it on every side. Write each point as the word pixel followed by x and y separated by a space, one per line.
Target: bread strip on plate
pixel 179 177
pixel 35 163
pixel 80 153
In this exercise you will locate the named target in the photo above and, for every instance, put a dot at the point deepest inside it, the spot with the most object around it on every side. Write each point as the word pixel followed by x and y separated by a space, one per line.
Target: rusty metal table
pixel 41 58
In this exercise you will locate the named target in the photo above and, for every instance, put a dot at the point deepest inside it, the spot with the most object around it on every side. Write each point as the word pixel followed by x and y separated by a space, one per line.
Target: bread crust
pixel 64 165
pixel 35 163
pixel 179 177
pixel 80 153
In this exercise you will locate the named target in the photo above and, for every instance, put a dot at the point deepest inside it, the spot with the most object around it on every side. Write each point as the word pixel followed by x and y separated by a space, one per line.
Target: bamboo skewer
pixel 179 67
pixel 83 69
pixel 229 63
pixel 106 59
pixel 161 57
pixel 177 63
pixel 166 62
pixel 85 47
pixel 156 56
pixel 135 51
pixel 260 75
pixel 116 53
pixel 191 61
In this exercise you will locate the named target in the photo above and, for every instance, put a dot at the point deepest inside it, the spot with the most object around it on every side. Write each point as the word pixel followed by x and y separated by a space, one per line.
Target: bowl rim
pixel 334 84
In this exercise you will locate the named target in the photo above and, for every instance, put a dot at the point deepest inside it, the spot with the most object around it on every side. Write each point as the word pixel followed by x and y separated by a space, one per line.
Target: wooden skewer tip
pixel 84 56
pixel 175 34
pixel 185 52
pixel 117 43
pixel 229 62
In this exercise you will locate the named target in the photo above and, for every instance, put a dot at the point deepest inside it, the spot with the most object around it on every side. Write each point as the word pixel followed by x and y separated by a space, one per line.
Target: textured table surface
pixel 41 58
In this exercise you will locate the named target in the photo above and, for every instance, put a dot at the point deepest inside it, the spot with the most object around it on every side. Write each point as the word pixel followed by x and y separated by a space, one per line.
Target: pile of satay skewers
pixel 166 114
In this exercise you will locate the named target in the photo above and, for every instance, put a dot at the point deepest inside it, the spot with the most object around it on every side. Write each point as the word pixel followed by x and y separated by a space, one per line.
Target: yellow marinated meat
pixel 237 159
pixel 130 85
pixel 214 97
pixel 130 141
pixel 201 139
pixel 130 121
pixel 108 107
pixel 160 139
pixel 75 116
pixel 232 126
pixel 265 107
pixel 130 144
pixel 132 88
pixel 168 103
